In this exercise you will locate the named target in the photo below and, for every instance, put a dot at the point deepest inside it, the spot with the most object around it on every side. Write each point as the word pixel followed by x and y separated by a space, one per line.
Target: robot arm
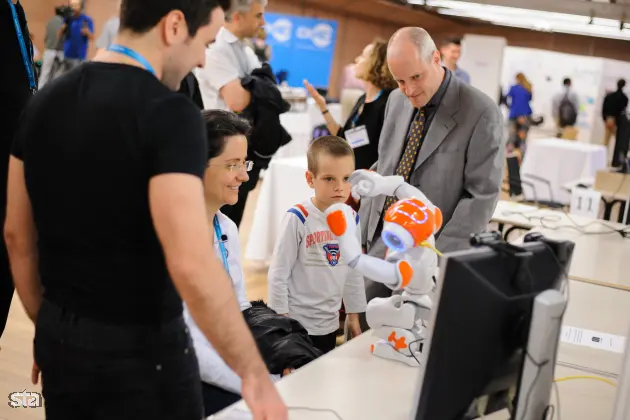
pixel 370 184
pixel 395 275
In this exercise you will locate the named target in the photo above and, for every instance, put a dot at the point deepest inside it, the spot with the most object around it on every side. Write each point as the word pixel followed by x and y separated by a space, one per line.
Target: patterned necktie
pixel 408 159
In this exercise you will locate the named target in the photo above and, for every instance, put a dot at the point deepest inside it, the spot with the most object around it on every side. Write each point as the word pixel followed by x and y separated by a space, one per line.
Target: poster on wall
pixel 302 47
pixel 546 71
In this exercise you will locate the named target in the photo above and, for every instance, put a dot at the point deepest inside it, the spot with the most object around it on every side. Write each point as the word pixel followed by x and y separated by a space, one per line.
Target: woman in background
pixel 518 99
pixel 363 127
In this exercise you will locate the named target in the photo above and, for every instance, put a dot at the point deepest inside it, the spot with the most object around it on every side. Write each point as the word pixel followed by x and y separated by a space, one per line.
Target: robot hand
pixel 370 184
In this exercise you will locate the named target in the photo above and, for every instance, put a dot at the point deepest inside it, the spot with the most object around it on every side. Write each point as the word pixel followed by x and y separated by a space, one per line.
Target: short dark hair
pixel 621 83
pixel 451 40
pixel 333 145
pixel 221 125
pixel 141 16
pixel 566 82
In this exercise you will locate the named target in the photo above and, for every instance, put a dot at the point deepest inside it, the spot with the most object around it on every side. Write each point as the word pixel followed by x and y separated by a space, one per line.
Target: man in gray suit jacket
pixel 444 137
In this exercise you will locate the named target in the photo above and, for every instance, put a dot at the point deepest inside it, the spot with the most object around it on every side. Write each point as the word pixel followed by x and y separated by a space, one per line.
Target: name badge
pixel 357 137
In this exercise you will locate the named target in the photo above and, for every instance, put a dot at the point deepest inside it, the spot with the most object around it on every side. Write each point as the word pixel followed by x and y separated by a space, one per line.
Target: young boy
pixel 309 276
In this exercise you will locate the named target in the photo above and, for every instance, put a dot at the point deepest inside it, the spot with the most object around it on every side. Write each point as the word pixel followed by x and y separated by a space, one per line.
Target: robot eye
pixel 392 241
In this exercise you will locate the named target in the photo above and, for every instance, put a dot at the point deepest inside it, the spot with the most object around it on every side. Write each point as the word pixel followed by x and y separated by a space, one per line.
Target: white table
pixel 349 380
pixel 526 217
pixel 600 254
pixel 359 386
pixel 283 186
pixel 559 162
pixel 600 259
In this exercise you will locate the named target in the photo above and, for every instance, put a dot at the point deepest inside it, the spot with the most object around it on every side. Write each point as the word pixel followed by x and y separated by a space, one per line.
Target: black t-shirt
pixel 90 142
pixel 15 91
pixel 372 117
pixel 14 85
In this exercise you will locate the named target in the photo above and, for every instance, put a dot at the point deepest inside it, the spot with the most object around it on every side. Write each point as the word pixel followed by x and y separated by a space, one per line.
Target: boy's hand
pixel 354 325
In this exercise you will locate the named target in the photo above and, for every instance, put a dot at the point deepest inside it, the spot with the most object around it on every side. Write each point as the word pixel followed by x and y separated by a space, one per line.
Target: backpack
pixel 567 112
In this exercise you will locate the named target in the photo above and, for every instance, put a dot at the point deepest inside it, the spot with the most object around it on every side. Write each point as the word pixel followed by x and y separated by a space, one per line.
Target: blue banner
pixel 303 47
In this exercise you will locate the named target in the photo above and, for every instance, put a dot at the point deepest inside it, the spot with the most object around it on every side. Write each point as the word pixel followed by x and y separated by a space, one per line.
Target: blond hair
pixel 332 145
pixel 522 80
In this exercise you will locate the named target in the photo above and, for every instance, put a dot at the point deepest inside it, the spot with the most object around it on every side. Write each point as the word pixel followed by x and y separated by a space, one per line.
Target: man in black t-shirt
pixel 15 92
pixel 106 229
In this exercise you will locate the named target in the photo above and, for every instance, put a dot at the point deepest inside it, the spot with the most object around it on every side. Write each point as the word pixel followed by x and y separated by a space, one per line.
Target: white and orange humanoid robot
pixel 410 264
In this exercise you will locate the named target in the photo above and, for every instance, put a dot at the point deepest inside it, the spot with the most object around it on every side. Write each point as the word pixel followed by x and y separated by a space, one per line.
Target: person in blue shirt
pixel 77 31
pixel 518 99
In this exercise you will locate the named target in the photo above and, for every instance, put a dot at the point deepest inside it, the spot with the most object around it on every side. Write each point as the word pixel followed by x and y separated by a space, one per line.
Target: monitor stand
pixel 534 391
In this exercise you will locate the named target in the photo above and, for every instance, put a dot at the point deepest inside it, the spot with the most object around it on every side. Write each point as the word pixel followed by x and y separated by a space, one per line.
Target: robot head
pixel 408 223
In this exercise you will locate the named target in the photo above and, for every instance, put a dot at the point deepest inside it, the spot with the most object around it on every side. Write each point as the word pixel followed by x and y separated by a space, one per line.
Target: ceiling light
pixel 531 19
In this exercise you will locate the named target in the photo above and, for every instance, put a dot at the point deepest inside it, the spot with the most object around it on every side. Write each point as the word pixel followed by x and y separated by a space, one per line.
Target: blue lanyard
pixel 355 119
pixel 133 55
pixel 27 60
pixel 219 234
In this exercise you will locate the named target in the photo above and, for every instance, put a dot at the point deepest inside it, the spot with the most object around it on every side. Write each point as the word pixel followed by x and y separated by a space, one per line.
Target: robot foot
pixel 398 344
pixel 401 339
pixel 386 350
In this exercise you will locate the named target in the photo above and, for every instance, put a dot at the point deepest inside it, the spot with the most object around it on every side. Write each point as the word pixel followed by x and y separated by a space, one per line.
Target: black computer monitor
pixel 480 324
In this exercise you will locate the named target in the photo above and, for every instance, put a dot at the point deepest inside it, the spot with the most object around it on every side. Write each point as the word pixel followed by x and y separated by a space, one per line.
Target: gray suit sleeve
pixel 485 161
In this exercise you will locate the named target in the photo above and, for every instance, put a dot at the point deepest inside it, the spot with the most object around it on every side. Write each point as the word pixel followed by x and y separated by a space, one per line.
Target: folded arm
pixel 222 72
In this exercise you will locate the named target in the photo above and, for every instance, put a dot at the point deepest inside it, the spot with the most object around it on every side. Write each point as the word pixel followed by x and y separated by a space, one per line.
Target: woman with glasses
pixel 227 170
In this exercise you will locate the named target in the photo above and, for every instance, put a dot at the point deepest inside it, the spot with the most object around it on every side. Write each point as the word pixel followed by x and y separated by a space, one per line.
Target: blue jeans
pixel 92 370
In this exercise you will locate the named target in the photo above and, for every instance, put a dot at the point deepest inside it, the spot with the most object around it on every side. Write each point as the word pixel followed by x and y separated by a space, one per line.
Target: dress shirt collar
pixel 226 36
pixel 437 98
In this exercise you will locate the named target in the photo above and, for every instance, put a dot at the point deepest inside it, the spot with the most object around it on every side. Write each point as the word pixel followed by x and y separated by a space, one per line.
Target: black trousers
pixel 95 371
pixel 216 399
pixel 235 212
pixel 326 342
pixel 6 283
pixel 11 109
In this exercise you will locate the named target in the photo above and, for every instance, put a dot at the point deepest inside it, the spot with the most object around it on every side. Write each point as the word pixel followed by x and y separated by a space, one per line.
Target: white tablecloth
pixel 283 186
pixel 300 125
pixel 559 162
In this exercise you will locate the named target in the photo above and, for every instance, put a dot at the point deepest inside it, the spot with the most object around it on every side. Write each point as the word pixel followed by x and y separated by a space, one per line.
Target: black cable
pixel 316 410
pixel 549 411
pixel 539 366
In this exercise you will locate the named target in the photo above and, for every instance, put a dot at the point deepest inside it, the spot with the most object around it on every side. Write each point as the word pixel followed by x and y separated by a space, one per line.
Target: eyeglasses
pixel 248 165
